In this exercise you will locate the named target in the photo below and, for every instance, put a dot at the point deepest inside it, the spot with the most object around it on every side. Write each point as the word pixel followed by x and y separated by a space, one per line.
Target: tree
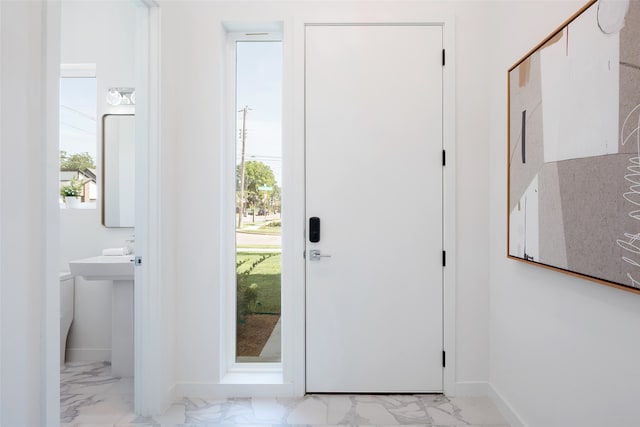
pixel 275 198
pixel 76 161
pixel 256 175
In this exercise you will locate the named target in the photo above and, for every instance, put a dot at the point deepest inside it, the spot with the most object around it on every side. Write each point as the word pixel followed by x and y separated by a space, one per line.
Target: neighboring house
pixel 88 176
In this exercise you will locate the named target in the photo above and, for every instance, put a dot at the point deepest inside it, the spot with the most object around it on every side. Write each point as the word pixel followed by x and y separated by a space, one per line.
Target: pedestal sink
pixel 118 269
pixel 104 267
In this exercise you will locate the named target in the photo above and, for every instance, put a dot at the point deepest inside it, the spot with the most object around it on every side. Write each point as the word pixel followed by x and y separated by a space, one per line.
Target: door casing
pixel 295 152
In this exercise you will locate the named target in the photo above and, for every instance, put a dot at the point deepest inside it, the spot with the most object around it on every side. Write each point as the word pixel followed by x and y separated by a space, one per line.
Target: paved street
pixel 247 239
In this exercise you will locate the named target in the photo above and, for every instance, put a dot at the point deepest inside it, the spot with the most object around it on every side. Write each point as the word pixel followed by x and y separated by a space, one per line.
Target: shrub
pixel 73 189
pixel 247 296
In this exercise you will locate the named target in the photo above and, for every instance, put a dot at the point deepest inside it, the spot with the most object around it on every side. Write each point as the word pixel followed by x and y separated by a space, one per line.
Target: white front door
pixel 374 180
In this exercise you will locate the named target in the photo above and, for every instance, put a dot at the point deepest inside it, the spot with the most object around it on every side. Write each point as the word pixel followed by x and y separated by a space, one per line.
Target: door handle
pixel 315 255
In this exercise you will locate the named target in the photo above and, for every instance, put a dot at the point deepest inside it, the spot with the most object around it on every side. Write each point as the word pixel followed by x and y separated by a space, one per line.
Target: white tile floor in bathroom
pixel 89 396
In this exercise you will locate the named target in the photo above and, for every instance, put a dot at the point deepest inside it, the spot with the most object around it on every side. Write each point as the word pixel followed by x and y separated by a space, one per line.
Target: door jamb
pixel 449 206
pixel 152 373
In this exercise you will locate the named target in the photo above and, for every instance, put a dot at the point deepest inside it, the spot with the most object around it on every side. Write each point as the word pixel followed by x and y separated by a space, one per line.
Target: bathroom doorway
pixel 95 57
pixel 119 39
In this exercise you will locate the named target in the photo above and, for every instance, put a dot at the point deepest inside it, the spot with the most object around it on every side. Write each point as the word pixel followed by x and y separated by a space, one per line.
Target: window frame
pixel 81 71
pixel 231 371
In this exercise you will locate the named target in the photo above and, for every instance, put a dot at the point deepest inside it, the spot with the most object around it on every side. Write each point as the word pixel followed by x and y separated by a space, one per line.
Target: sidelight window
pixel 258 204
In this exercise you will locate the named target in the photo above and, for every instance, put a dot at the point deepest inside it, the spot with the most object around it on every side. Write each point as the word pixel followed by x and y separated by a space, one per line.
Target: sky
pixel 259 86
pixel 78 115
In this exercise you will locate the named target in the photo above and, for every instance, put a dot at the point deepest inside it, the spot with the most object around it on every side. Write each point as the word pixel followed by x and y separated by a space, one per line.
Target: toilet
pixel 66 310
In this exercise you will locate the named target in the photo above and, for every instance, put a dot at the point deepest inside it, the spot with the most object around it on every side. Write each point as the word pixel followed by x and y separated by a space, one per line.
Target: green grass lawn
pixel 266 275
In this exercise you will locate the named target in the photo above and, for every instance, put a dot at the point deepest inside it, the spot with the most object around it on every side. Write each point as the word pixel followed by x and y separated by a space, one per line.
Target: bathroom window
pixel 78 141
pixel 258 180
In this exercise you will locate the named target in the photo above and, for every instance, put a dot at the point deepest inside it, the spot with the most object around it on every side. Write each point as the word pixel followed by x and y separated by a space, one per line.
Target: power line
pixel 266 159
pixel 92 118
pixel 80 129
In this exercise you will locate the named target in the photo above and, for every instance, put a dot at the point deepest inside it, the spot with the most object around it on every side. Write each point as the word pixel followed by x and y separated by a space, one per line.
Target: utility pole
pixel 242 166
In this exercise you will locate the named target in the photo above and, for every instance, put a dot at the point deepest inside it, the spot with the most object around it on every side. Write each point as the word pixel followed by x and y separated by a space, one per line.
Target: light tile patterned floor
pixel 90 397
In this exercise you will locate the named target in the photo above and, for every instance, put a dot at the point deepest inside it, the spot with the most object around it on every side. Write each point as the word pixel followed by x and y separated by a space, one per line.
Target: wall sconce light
pixel 121 96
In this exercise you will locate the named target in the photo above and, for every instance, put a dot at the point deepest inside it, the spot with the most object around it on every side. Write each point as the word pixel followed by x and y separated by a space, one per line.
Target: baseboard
pixel 170 398
pixel 515 420
pixel 181 390
pixel 483 388
pixel 88 355
pixel 472 388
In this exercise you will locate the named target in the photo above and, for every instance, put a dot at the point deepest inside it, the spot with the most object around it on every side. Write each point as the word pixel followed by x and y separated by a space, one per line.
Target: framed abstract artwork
pixel 574 148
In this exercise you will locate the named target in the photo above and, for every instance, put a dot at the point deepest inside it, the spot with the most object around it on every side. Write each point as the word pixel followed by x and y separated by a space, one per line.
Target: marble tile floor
pixel 90 397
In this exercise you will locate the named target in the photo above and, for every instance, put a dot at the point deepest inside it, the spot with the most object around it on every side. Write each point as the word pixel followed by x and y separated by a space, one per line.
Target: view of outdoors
pixel 258 208
pixel 78 141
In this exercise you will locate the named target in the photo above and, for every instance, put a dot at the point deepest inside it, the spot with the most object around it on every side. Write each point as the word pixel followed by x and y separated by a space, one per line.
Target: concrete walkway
pixel 273 347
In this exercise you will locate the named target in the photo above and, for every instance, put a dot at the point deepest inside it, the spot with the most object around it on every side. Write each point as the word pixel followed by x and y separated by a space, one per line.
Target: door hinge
pixel 443 57
pixel 444 359
pixel 304 254
pixel 444 258
pixel 444 157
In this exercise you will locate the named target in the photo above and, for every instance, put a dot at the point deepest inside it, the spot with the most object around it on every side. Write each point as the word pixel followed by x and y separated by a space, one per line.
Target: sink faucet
pixel 130 243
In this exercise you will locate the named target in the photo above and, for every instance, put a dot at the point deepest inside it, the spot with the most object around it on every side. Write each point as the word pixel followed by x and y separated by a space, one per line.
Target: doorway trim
pixel 50 326
pixel 448 182
pixel 152 394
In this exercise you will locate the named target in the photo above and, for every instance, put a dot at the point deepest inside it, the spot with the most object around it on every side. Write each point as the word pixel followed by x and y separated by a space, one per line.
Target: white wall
pixel 101 33
pixel 25 277
pixel 564 351
pixel 22 307
pixel 191 112
pixel 472 167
